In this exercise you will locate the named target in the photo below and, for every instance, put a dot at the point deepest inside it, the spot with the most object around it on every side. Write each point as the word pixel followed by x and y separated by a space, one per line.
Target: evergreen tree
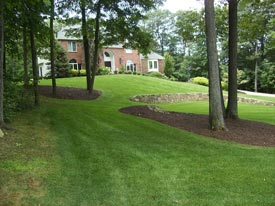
pixel 62 65
pixel 168 65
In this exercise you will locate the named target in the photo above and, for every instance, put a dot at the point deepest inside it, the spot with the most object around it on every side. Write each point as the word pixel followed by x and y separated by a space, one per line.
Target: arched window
pixel 72 61
pixel 106 54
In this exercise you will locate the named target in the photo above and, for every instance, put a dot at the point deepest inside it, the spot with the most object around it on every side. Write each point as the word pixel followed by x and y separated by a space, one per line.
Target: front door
pixel 108 64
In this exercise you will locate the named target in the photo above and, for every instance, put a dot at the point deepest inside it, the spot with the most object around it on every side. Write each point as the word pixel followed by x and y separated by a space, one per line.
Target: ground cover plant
pixel 96 155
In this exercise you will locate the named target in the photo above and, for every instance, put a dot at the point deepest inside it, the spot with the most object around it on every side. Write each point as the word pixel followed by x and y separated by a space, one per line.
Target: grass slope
pixel 103 157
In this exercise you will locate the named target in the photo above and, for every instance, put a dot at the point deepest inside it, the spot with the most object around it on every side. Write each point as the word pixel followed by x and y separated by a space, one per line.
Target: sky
pixel 175 5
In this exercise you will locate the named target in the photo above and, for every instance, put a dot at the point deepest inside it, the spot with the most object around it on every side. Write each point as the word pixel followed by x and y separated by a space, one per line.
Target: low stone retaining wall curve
pixel 187 97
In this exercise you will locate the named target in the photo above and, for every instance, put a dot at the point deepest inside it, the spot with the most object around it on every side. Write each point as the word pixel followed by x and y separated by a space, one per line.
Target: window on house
pixel 129 51
pixel 107 54
pixel 130 66
pixel 153 65
pixel 74 64
pixel 71 46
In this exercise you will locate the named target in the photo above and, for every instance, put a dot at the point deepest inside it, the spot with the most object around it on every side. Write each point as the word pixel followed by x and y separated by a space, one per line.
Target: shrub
pixel 200 80
pixel 180 75
pixel 128 72
pixel 224 86
pixel 154 74
pixel 104 71
pixel 16 98
pixel 168 65
pixel 77 73
pixel 74 73
pixel 173 78
pixel 82 72
pixel 122 69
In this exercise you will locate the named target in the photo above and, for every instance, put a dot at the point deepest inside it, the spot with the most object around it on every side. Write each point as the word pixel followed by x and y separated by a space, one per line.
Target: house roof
pixel 63 34
pixel 152 55
pixel 117 46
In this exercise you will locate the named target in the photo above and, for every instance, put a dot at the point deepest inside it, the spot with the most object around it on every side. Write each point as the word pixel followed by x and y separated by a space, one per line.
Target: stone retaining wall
pixel 174 98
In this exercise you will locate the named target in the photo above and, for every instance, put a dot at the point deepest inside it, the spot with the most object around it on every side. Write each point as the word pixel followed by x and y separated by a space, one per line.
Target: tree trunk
pixel 222 99
pixel 34 67
pixel 52 50
pixel 232 104
pixel 96 45
pixel 256 68
pixel 25 57
pixel 1 63
pixel 86 46
pixel 216 119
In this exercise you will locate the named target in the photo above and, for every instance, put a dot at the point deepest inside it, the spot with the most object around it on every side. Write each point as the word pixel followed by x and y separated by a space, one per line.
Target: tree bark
pixel 1 63
pixel 52 50
pixel 25 57
pixel 232 104
pixel 96 44
pixel 216 119
pixel 86 46
pixel 256 68
pixel 34 67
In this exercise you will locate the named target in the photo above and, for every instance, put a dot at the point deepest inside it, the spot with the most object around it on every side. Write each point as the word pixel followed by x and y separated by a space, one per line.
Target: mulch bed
pixel 69 93
pixel 240 131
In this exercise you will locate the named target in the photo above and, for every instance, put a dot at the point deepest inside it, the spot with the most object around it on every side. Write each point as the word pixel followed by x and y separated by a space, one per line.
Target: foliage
pixel 122 69
pixel 104 71
pixel 224 86
pixel 154 74
pixel 168 65
pixel 200 80
pixel 77 73
pixel 16 99
pixel 61 61
pixel 267 77
pixel 158 22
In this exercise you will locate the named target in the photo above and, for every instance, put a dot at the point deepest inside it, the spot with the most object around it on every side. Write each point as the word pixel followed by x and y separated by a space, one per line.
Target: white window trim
pixel 131 65
pixel 128 51
pixel 73 66
pixel 153 64
pixel 70 47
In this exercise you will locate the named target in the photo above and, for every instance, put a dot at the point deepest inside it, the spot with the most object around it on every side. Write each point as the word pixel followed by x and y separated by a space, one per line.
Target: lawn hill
pixel 86 152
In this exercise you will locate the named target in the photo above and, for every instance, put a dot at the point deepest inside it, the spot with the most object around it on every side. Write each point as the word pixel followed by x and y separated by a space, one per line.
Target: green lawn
pixel 86 153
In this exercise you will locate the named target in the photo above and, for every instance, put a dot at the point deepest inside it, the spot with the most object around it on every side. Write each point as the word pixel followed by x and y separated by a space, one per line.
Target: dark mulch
pixel 241 131
pixel 69 93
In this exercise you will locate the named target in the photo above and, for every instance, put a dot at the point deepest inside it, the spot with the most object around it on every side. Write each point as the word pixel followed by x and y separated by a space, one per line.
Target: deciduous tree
pixel 1 62
pixel 216 119
pixel 232 106
pixel 52 41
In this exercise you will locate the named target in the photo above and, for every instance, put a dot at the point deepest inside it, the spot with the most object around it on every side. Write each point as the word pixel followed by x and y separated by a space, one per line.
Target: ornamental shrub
pixel 200 80
pixel 104 71
pixel 154 74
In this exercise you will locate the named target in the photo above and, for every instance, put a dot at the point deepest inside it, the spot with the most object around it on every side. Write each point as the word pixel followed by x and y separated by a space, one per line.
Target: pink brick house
pixel 115 57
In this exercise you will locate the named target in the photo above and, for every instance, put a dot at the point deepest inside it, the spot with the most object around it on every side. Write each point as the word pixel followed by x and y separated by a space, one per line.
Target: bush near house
pixel 77 73
pixel 103 71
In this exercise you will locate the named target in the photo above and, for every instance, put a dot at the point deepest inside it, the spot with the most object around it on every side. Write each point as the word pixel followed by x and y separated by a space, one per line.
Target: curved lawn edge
pixel 240 131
